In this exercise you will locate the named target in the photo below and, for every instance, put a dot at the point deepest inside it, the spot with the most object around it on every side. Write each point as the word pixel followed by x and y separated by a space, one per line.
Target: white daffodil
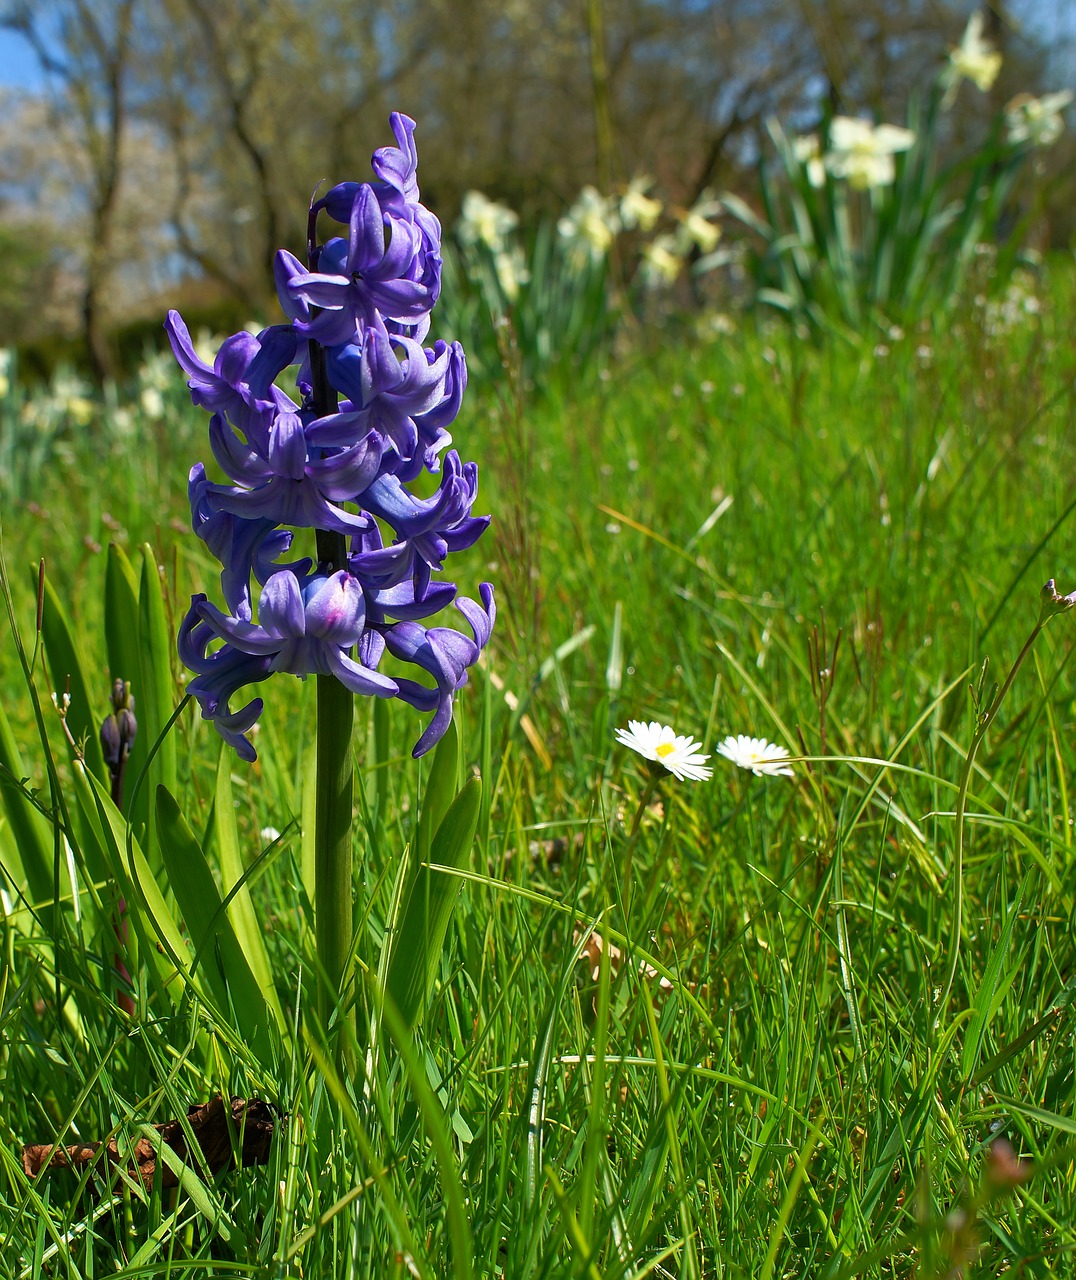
pixel 637 209
pixel 696 228
pixel 484 221
pixel 763 758
pixel 591 223
pixel 807 151
pixel 863 152
pixel 1037 120
pixel 511 271
pixel 662 262
pixel 975 59
pixel 657 742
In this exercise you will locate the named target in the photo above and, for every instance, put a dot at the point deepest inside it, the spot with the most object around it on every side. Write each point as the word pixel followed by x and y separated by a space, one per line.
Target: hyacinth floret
pixel 371 415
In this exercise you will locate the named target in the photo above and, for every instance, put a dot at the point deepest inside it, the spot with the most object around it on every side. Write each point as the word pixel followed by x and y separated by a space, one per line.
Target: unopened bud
pixel 118 729
pixel 1051 601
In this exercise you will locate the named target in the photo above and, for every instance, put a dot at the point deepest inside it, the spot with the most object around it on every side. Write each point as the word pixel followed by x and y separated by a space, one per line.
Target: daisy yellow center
pixel 664 749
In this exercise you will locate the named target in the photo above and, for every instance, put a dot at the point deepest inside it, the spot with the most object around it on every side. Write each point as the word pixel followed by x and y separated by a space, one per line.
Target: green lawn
pixel 740 533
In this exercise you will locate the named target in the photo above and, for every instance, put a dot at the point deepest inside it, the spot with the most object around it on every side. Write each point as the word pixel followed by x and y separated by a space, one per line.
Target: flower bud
pixel 1051 601
pixel 118 729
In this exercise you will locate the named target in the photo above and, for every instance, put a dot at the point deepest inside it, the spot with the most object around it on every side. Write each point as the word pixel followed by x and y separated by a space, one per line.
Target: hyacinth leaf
pixel 155 670
pixel 128 866
pixel 424 921
pixel 220 963
pixel 28 853
pixel 125 662
pixel 224 834
pixel 440 791
pixel 68 675
pixel 121 616
pixel 486 765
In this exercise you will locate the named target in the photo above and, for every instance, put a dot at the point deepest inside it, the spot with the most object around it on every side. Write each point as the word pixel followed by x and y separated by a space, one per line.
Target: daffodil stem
pixel 983 723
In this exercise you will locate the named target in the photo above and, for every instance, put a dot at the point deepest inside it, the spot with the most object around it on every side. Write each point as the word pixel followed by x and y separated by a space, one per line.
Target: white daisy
pixel 761 757
pixel 679 754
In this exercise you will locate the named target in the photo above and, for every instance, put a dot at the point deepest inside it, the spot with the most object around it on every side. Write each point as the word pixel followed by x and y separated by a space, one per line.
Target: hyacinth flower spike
pixel 330 468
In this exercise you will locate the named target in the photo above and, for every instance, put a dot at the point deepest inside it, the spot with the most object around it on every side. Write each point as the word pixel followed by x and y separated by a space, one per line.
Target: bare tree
pixel 85 47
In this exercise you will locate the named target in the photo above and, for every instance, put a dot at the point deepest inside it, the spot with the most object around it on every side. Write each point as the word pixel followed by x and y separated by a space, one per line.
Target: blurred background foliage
pixel 162 155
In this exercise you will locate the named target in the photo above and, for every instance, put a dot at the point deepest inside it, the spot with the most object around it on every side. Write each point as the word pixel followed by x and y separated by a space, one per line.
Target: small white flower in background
pixel 696 228
pixel 863 152
pixel 975 59
pixel 269 834
pixel 152 402
pixel 763 758
pixel 657 742
pixel 591 223
pixel 5 371
pixel 1037 120
pixel 511 271
pixel 637 209
pixel 662 262
pixel 484 221
pixel 807 151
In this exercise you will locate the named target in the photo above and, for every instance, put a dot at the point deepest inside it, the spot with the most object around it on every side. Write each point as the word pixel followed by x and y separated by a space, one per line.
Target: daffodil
pixel 696 228
pixel 591 224
pixel 484 221
pixel 975 59
pixel 807 151
pixel 673 751
pixel 662 261
pixel 863 153
pixel 1037 121
pixel 637 209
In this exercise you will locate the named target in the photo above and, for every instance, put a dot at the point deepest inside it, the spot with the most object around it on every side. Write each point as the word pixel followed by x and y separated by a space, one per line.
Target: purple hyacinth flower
pixel 399 388
pixel 285 484
pixel 307 627
pixel 371 274
pixel 242 546
pixel 397 166
pixel 358 316
pixel 446 655
pixel 431 527
pixel 240 383
pixel 218 675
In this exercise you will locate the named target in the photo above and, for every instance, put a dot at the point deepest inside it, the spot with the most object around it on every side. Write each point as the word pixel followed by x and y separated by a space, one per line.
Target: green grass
pixel 745 534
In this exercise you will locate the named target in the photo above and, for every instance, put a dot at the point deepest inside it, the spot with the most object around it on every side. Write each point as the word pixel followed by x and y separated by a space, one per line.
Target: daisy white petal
pixel 673 751
pixel 761 757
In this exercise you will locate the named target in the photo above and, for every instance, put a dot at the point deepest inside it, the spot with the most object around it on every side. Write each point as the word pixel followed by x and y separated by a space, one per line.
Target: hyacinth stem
pixel 334 794
pixel 333 894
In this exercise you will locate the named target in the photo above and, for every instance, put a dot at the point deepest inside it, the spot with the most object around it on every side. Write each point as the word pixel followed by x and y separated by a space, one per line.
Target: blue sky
pixel 1054 19
pixel 18 65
